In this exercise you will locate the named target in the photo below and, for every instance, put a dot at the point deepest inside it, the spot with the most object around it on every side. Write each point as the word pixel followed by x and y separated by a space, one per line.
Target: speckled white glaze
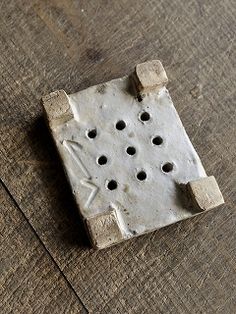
pixel 141 206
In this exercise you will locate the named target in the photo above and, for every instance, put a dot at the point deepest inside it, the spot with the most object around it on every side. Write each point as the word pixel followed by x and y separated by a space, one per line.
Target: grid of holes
pixel 141 175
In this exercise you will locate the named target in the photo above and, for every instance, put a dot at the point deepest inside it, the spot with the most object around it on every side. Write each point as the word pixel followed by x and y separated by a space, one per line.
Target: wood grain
pixel 47 45
pixel 30 282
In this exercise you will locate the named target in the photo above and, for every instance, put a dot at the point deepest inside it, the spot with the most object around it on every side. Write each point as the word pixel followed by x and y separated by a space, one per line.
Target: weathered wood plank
pixel 47 45
pixel 30 282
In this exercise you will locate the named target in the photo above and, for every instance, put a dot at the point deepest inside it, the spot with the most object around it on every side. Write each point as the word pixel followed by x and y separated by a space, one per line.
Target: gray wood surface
pixel 30 281
pixel 189 267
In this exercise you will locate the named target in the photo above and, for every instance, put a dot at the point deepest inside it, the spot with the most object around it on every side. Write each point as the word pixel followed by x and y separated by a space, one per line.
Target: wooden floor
pixel 46 264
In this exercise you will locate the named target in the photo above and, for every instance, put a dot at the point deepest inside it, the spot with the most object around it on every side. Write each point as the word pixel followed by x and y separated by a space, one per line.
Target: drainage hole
pixel 140 98
pixel 102 160
pixel 145 116
pixel 92 133
pixel 141 175
pixel 157 140
pixel 112 185
pixel 120 125
pixel 130 150
pixel 167 167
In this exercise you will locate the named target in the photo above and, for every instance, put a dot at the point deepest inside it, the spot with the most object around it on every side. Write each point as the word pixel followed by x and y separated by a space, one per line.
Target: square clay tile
pixel 127 156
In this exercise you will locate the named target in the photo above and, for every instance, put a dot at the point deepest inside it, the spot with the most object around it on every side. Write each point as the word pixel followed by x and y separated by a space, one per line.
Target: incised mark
pixel 73 148
pixel 89 184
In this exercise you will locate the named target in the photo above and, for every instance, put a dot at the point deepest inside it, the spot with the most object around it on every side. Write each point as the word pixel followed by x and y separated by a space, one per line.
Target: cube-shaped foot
pixel 104 229
pixel 150 76
pixel 205 193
